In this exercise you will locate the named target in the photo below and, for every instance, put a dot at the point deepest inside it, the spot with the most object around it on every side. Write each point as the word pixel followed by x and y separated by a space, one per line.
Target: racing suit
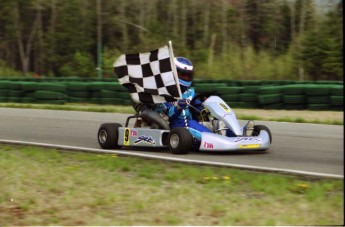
pixel 182 117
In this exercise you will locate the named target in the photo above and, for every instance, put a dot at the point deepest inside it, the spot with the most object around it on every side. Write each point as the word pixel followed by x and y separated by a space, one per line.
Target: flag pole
pixel 173 67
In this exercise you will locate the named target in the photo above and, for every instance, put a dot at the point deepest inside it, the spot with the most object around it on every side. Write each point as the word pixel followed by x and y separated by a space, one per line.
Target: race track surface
pixel 298 147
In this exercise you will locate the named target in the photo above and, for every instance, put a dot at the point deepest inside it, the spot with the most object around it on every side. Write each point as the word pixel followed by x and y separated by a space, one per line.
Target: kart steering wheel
pixel 202 97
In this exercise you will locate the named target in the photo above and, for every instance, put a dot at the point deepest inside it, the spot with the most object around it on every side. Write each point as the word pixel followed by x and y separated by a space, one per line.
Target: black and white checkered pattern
pixel 148 76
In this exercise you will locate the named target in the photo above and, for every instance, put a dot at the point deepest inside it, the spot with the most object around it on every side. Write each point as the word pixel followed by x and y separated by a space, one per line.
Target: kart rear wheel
pixel 258 128
pixel 108 135
pixel 180 141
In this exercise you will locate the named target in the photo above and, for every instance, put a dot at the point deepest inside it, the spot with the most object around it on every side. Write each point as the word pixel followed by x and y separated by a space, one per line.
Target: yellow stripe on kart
pixel 249 146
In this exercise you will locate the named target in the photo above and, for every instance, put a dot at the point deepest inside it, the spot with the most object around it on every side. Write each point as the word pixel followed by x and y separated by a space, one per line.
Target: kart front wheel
pixel 258 128
pixel 108 135
pixel 180 141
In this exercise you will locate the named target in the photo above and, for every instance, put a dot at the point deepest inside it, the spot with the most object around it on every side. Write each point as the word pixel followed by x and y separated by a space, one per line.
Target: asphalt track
pixel 310 149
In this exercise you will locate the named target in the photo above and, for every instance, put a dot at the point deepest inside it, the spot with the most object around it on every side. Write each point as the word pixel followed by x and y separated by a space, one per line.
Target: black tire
pixel 258 128
pixel 108 135
pixel 180 141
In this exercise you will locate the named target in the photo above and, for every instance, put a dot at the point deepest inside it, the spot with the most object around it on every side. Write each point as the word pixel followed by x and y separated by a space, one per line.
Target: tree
pixel 322 52
pixel 332 65
pixel 23 30
pixel 54 36
pixel 74 33
pixel 262 23
pixel 81 65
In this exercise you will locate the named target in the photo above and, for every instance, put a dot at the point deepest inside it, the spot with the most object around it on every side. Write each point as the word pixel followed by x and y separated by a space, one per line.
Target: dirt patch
pixel 14 211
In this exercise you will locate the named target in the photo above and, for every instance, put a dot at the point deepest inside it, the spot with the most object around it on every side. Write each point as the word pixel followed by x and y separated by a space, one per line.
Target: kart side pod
pixel 142 137
pixel 216 142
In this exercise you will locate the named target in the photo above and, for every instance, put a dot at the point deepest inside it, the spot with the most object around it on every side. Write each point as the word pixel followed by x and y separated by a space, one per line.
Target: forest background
pixel 225 39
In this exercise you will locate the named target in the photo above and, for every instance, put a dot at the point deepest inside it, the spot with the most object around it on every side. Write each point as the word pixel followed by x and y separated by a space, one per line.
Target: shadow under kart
pixel 156 132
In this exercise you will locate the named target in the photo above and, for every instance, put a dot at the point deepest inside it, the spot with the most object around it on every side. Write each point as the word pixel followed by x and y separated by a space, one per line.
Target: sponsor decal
pixel 208 145
pixel 247 139
pixel 225 107
pixel 145 139
pixel 134 133
pixel 246 146
pixel 126 136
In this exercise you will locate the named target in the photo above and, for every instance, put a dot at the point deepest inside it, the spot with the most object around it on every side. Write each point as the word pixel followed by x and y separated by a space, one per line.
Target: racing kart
pixel 155 132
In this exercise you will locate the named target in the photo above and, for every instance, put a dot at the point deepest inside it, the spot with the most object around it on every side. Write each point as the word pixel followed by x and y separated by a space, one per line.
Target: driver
pixel 178 112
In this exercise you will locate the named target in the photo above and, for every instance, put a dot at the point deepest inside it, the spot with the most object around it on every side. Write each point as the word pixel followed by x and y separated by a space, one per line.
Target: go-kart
pixel 155 132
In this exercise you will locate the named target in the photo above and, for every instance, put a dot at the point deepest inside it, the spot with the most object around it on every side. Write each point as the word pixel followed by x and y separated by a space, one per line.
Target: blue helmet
pixel 185 72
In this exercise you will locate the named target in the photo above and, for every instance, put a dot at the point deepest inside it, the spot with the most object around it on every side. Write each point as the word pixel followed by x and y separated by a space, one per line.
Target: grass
pixel 73 106
pixel 50 187
pixel 318 117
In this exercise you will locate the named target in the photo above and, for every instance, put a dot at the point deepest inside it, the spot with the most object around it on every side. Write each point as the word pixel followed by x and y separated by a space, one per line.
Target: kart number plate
pixel 225 107
pixel 126 136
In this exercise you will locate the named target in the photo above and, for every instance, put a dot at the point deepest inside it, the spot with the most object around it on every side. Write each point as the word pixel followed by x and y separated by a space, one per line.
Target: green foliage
pixel 108 58
pixel 248 39
pixel 322 52
pixel 81 65
pixel 245 64
pixel 6 71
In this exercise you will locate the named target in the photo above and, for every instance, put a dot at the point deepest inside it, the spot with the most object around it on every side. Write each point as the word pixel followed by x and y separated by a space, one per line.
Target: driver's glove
pixel 182 104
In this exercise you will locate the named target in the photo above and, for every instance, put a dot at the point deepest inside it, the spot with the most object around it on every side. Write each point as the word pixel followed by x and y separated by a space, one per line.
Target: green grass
pixel 301 120
pixel 73 106
pixel 327 120
pixel 50 187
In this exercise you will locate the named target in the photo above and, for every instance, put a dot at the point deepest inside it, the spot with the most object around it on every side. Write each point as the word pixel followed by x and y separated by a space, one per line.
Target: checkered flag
pixel 149 77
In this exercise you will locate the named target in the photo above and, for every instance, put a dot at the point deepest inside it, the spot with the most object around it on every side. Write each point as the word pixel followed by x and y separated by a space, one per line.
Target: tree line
pixel 233 39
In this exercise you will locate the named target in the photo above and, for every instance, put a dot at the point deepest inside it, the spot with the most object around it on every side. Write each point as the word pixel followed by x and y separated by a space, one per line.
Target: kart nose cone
pixel 216 142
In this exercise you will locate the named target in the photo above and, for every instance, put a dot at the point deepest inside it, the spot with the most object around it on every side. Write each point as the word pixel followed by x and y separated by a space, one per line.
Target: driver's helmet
pixel 185 72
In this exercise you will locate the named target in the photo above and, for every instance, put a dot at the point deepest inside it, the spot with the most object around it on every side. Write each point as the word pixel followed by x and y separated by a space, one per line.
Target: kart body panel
pixel 222 111
pixel 142 137
pixel 216 142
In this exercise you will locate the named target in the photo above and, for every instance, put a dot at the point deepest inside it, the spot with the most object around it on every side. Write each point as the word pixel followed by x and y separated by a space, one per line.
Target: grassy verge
pixel 49 187
pixel 73 106
pixel 298 116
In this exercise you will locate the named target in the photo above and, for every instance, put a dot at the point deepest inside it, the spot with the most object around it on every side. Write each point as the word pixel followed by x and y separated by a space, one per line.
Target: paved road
pixel 298 147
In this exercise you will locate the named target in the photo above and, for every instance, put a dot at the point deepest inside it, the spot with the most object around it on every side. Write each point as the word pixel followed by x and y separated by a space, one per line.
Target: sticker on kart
pixel 247 139
pixel 126 138
pixel 225 107
pixel 145 139
pixel 249 146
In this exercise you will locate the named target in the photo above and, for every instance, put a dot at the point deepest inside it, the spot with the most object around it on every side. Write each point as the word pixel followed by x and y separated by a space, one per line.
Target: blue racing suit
pixel 182 117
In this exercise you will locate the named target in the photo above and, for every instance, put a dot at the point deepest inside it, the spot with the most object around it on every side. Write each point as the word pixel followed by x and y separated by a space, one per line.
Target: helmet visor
pixel 187 76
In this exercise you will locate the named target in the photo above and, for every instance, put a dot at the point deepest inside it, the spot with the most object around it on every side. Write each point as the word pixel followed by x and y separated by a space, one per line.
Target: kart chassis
pixel 179 140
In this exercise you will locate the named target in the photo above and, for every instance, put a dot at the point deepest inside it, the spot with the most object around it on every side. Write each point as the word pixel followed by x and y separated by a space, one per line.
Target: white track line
pixel 125 153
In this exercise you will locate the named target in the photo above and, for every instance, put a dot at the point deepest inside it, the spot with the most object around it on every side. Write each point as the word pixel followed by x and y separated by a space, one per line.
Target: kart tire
pixel 108 135
pixel 180 141
pixel 258 128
